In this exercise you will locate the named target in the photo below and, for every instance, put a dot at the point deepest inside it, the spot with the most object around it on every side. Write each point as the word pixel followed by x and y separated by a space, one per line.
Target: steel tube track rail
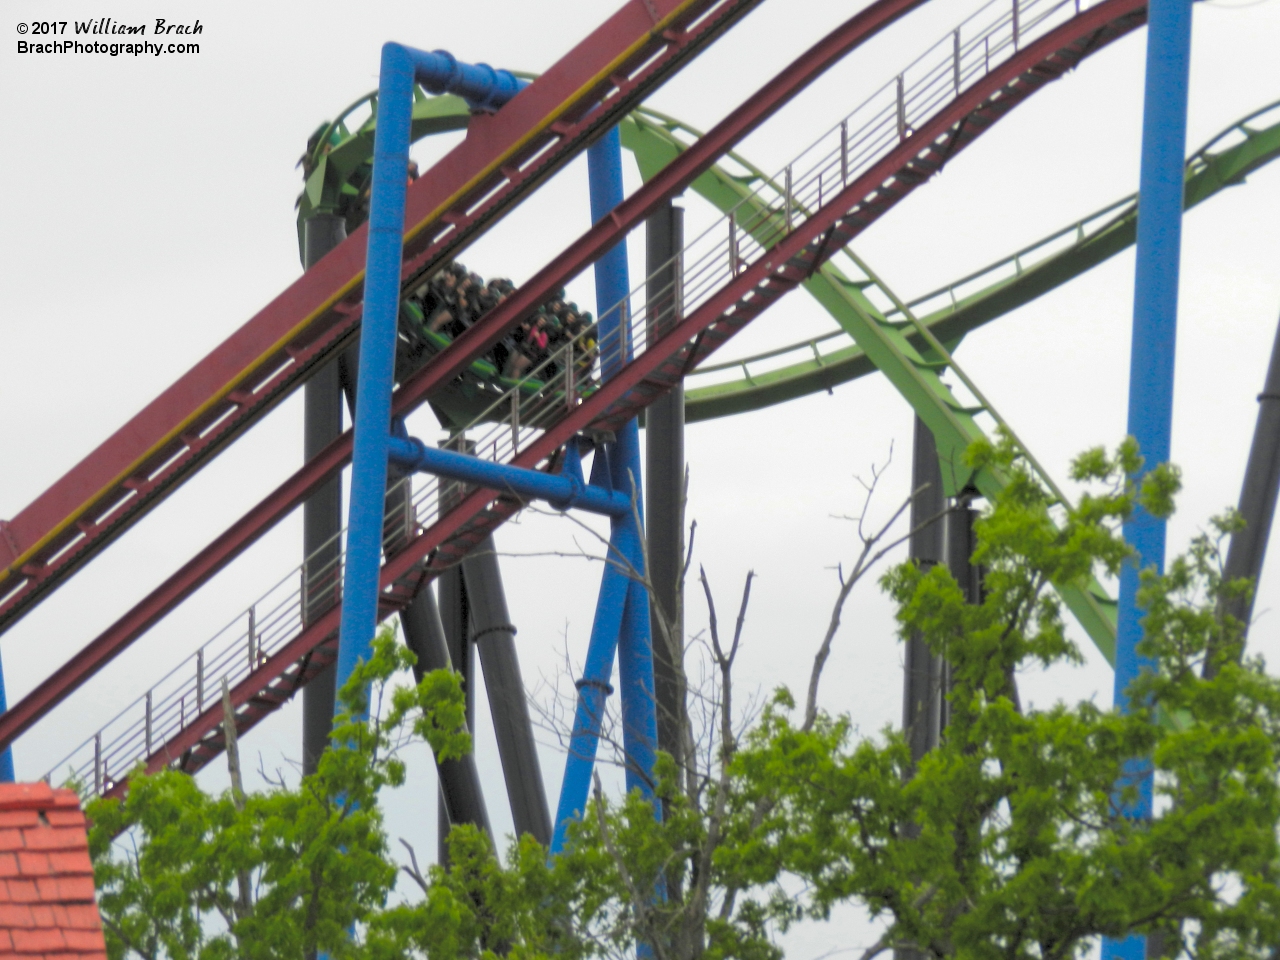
pixel 538 425
pixel 503 158
pixel 443 368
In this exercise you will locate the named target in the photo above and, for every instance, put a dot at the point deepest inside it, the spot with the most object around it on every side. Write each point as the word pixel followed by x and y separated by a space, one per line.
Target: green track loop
pixel 876 329
pixel 960 307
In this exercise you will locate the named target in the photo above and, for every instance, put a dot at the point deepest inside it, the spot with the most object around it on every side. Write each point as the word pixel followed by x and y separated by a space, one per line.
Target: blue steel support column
pixel 622 610
pixel 484 89
pixel 1155 313
pixel 377 360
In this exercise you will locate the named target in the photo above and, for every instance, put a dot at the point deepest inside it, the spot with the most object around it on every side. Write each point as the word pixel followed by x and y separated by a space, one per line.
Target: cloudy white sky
pixel 150 213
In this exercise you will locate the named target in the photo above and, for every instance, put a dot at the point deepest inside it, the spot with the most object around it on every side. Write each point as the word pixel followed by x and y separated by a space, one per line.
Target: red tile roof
pixel 47 906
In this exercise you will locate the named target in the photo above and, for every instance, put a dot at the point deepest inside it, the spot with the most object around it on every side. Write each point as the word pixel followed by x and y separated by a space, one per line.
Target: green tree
pixel 1018 848
pixel 1004 842
pixel 279 873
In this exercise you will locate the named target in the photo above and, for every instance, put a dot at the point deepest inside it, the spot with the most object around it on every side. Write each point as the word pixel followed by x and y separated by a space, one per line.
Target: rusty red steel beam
pixel 440 370
pixel 760 284
pixel 226 547
pixel 201 740
pixel 504 156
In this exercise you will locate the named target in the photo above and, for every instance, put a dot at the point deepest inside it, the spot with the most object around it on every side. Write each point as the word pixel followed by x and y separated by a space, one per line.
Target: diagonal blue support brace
pixel 594 687
pixel 1155 325
pixel 485 89
pixel 621 622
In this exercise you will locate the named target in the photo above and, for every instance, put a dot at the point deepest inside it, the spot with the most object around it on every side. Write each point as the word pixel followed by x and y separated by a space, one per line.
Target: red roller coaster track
pixel 444 368
pixel 776 271
pixel 502 159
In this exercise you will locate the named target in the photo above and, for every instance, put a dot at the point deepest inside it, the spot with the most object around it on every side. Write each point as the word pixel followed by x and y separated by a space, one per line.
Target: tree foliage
pixel 278 873
pixel 1009 840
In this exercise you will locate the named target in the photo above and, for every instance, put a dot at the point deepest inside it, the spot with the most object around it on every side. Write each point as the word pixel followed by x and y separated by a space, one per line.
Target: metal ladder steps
pixel 268 700
pixel 259 706
pixel 468 535
pixel 713 336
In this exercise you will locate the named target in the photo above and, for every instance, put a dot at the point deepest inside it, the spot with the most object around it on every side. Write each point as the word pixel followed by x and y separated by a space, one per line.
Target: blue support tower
pixel 1155 314
pixel 484 89
pixel 622 613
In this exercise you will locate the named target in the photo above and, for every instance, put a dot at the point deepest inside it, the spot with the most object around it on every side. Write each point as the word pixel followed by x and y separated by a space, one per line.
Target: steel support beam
pixel 461 799
pixel 560 490
pixel 1151 358
pixel 924 672
pixel 621 621
pixel 455 616
pixel 635 644
pixel 664 484
pixel 459 802
pixel 400 68
pixel 322 511
pixel 922 698
pixel 493 636
pixel 6 755
pixel 960 542
pixel 1257 506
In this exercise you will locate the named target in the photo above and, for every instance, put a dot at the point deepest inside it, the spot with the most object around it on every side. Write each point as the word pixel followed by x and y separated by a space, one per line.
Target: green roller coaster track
pixel 877 331
pixel 972 301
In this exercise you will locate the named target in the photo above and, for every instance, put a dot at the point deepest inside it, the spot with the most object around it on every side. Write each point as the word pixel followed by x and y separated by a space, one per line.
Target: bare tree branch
pixel 867 559
pixel 244 903
pixel 413 870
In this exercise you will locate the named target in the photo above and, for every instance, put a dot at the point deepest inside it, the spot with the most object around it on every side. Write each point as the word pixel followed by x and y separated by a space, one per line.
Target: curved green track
pixel 877 331
pixel 823 362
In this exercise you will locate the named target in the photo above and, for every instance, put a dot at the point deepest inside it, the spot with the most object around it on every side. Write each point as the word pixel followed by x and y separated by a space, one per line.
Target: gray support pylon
pixel 664 483
pixel 322 511
pixel 1257 507
pixel 922 690
pixel 461 799
pixel 493 636
pixel 960 544
pixel 925 673
pixel 455 619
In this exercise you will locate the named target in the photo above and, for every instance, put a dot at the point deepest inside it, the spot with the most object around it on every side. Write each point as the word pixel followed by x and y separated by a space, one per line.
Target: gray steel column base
pixel 924 673
pixel 456 628
pixel 922 713
pixel 461 799
pixel 494 638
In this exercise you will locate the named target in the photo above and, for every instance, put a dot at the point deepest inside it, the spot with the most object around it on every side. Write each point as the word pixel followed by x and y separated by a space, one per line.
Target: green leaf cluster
pixel 315 857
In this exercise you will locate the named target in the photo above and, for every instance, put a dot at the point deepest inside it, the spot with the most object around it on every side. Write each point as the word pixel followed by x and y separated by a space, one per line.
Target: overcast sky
pixel 150 213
